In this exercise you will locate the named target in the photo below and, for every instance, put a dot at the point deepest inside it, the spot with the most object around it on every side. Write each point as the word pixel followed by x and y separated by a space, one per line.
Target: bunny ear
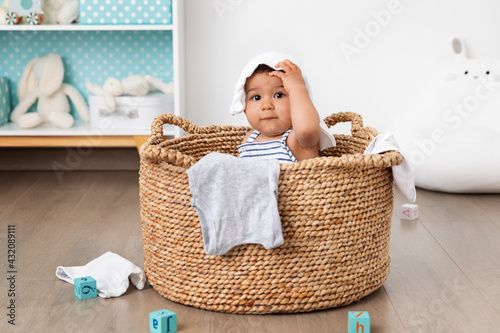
pixel 94 88
pixel 52 74
pixel 27 82
pixel 458 46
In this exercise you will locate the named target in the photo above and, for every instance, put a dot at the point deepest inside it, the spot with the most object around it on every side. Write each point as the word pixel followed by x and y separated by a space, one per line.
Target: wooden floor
pixel 445 270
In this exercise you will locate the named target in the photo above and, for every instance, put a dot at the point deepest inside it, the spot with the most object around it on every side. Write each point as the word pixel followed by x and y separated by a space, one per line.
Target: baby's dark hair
pixel 262 68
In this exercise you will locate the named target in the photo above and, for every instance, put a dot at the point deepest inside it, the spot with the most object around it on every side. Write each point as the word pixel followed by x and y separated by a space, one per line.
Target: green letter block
pixel 85 287
pixel 359 322
pixel 163 321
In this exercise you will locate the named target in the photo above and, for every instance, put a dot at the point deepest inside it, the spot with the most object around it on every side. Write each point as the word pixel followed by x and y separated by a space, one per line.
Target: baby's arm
pixel 305 118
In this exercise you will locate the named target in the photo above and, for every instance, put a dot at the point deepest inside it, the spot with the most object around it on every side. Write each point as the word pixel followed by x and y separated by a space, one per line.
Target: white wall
pixel 405 49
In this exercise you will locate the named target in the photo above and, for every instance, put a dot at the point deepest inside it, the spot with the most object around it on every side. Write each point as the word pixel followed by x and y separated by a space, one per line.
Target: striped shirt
pixel 276 149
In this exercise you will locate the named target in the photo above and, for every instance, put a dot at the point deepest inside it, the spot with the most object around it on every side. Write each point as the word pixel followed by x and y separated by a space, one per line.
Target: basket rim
pixel 156 149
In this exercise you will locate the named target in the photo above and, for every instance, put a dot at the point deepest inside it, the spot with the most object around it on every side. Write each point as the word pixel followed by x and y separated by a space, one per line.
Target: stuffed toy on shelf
pixel 61 11
pixel 4 10
pixel 42 80
pixel 135 85
pixel 50 12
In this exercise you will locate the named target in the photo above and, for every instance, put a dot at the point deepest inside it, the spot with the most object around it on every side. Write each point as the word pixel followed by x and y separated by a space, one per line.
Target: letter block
pixel 85 287
pixel 163 321
pixel 409 212
pixel 358 322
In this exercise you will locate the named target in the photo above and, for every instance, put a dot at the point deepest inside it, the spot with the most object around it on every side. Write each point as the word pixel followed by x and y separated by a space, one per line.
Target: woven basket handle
pixel 342 117
pixel 171 119
pixel 154 151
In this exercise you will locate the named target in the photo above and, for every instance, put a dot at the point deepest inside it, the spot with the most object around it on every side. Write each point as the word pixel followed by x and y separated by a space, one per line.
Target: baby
pixel 277 105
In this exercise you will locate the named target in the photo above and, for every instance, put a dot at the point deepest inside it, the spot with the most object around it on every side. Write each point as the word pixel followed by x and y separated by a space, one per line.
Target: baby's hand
pixel 292 77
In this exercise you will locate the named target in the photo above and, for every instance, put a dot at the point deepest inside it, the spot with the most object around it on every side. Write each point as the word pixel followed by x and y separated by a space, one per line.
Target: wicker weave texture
pixel 336 217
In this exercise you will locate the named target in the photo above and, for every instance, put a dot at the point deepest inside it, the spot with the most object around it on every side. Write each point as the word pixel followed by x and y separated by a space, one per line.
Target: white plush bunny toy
pixel 135 85
pixel 451 132
pixel 42 80
pixel 60 11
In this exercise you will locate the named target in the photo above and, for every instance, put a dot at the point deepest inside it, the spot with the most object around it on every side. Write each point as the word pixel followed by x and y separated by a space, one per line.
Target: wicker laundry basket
pixel 335 211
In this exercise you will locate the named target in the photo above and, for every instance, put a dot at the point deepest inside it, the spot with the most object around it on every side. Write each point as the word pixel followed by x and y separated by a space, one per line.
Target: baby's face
pixel 267 105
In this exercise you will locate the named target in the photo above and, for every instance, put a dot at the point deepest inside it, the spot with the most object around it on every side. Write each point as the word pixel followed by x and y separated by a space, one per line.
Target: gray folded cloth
pixel 236 201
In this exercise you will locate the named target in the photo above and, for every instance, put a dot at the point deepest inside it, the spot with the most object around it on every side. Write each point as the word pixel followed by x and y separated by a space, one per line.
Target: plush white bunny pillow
pixel 451 134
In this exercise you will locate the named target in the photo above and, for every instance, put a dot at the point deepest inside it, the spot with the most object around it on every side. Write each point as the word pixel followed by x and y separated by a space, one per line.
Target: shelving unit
pixel 81 134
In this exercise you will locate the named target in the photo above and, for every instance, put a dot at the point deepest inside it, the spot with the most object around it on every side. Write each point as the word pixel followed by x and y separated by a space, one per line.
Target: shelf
pixel 79 129
pixel 80 135
pixel 70 141
pixel 83 27
pixel 93 56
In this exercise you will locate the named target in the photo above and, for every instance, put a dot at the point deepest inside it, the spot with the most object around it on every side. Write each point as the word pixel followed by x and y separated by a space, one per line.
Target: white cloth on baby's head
pixel 270 59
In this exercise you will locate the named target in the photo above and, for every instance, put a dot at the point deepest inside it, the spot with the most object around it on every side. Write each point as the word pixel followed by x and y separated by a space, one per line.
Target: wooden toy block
pixel 12 18
pixel 163 321
pixel 85 287
pixel 358 322
pixel 34 18
pixel 409 212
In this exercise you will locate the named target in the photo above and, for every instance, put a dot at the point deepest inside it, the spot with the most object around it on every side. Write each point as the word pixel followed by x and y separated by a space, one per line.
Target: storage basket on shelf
pixel 335 211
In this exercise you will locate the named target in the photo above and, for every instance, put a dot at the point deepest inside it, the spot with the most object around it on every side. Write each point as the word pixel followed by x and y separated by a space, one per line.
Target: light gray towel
pixel 236 201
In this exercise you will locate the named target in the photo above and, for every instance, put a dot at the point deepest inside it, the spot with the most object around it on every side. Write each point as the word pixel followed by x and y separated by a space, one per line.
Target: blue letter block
pixel 163 321
pixel 359 322
pixel 85 287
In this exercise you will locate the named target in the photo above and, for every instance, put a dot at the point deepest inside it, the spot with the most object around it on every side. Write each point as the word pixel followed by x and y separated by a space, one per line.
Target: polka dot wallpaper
pixel 89 55
pixel 125 12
